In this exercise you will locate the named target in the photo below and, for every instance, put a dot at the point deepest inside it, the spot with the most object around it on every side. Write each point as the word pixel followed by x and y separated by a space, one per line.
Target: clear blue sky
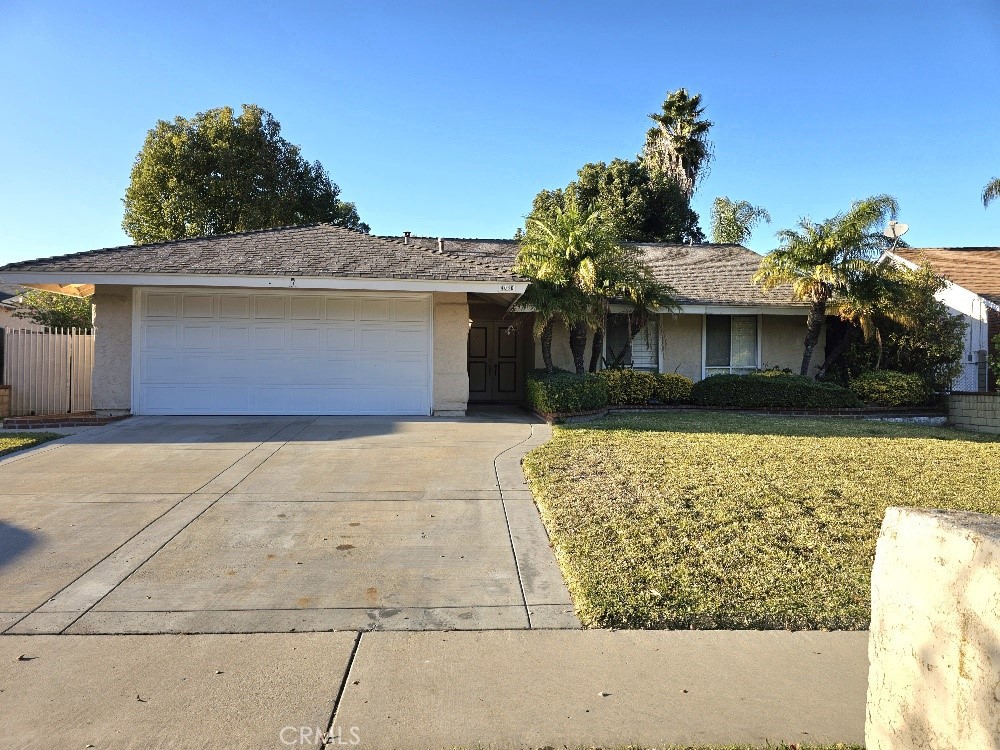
pixel 446 118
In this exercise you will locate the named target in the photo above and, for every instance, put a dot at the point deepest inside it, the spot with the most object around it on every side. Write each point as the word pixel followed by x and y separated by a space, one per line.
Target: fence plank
pixel 49 372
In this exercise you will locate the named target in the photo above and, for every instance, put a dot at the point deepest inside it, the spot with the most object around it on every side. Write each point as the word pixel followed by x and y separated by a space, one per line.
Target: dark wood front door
pixel 495 361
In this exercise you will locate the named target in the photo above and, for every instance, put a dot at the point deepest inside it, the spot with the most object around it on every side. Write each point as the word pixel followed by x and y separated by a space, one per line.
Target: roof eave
pixel 43 279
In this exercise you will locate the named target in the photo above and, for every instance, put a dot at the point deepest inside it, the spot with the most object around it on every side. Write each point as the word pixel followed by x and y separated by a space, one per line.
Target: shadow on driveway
pixel 14 542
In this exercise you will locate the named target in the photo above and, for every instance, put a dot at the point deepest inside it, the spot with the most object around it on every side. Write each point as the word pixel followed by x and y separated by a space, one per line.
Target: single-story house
pixel 319 319
pixel 973 292
pixel 10 302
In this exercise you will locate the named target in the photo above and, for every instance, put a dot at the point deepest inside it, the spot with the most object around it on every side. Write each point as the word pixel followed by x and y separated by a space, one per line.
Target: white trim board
pixel 26 278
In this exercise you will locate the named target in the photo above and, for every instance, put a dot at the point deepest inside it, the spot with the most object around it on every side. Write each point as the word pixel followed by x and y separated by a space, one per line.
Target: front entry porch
pixel 500 350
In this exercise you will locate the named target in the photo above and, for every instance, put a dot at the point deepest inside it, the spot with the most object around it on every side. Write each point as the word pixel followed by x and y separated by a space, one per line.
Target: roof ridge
pixel 182 240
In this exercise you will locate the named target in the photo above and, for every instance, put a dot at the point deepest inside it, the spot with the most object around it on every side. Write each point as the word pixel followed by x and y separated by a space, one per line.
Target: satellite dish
pixel 895 230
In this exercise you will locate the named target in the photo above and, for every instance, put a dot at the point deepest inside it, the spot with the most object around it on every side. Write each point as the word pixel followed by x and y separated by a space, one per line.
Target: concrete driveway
pixel 245 525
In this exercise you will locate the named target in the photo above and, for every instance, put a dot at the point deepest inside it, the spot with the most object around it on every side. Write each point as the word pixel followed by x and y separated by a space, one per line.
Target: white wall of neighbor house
pixel 974 311
pixel 112 384
pixel 451 337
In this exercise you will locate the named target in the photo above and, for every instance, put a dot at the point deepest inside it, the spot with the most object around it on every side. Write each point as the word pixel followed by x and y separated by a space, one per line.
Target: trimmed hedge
pixel 565 392
pixel 672 388
pixel 891 388
pixel 771 390
pixel 628 387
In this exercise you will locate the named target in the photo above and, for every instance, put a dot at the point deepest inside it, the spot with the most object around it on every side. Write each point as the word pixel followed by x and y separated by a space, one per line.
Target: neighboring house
pixel 324 320
pixel 10 301
pixel 973 291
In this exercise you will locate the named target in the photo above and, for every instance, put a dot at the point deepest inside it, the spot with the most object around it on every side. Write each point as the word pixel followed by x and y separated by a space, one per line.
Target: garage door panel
pixel 305 308
pixel 409 340
pixel 341 308
pixel 267 306
pixel 198 305
pixel 198 337
pixel 159 305
pixel 234 306
pixel 341 339
pixel 234 337
pixel 160 335
pixel 269 338
pixel 306 339
pixel 375 310
pixel 283 353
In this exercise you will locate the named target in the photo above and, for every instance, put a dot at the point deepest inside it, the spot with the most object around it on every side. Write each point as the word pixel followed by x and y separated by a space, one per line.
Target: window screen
pixel 718 340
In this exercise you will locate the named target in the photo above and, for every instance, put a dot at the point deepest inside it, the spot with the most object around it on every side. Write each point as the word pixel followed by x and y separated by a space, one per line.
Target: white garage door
pixel 251 352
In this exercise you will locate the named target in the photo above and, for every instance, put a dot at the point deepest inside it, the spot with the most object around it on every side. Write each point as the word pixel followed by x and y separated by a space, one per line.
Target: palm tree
pixel 991 191
pixel 821 261
pixel 882 293
pixel 550 303
pixel 733 221
pixel 678 143
pixel 579 266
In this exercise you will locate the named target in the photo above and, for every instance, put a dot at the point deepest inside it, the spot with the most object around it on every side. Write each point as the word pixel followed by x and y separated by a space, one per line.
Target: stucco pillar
pixel 934 644
pixel 112 387
pixel 451 342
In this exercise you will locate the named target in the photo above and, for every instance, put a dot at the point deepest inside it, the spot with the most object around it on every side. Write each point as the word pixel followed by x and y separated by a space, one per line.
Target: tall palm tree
pixel 991 192
pixel 822 261
pixel 733 221
pixel 678 143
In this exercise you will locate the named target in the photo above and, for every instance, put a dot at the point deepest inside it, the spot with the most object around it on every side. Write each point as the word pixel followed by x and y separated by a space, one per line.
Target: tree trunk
pixel 597 349
pixel 814 327
pixel 578 345
pixel 546 339
pixel 838 352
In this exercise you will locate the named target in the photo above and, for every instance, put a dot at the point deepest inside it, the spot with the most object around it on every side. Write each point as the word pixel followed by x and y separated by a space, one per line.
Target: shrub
pixel 565 392
pixel 628 386
pixel 672 388
pixel 891 388
pixel 770 390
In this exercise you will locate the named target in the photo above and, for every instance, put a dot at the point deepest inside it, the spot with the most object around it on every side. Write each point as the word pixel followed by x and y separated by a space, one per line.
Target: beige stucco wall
pixel 783 342
pixel 680 344
pixel 451 348
pixel 562 355
pixel 112 388
pixel 934 643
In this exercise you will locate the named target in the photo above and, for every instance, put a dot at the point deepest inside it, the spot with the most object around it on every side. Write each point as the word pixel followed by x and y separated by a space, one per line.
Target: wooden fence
pixel 49 371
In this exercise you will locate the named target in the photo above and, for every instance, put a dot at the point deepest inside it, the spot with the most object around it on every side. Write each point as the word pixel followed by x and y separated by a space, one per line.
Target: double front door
pixel 495 361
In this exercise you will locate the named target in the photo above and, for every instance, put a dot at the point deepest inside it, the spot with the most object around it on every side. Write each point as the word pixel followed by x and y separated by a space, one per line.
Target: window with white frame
pixel 641 352
pixel 731 344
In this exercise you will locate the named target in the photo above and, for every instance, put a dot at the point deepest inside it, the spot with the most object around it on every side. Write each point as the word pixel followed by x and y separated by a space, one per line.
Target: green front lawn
pixel 715 520
pixel 18 441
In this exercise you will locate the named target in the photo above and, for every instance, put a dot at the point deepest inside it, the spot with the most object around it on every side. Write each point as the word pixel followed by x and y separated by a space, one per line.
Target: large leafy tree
pixel 635 204
pixel 578 265
pixel 733 221
pixel 677 145
pixel 55 310
pixel 221 172
pixel 823 261
pixel 992 191
pixel 926 339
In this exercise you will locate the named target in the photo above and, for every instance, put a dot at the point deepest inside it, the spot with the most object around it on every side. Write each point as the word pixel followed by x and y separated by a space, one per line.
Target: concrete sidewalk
pixel 414 690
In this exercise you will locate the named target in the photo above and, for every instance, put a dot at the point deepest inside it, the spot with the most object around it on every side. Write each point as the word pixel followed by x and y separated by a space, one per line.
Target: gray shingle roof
pixel 309 250
pixel 701 274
